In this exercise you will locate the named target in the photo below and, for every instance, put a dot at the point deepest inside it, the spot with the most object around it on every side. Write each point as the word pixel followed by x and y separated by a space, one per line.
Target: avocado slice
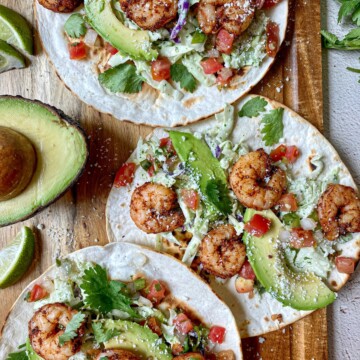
pixel 138 339
pixel 61 153
pixel 299 290
pixel 207 170
pixel 136 43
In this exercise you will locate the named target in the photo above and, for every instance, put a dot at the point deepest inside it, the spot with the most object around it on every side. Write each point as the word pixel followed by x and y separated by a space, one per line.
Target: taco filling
pixel 82 314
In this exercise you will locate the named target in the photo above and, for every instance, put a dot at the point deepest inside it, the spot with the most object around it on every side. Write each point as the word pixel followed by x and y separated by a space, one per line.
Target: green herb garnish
pixel 22 355
pixel 181 74
pixel 253 107
pixel 273 126
pixel 75 26
pixel 101 335
pixel 218 194
pixel 71 328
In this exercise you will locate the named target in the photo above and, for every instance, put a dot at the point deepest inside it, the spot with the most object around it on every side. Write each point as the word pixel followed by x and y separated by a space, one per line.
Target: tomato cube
pixel 125 175
pixel 258 225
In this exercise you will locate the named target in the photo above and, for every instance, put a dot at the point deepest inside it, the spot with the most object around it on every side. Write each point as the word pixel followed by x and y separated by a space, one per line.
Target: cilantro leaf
pixel 181 74
pixel 253 107
pixel 273 126
pixel 22 355
pixel 218 194
pixel 104 358
pixel 122 78
pixel 75 26
pixel 104 295
pixel 350 42
pixel 71 328
pixel 102 336
pixel 347 8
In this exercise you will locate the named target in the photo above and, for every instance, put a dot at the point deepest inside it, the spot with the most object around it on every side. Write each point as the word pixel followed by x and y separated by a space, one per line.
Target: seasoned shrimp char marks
pixel 115 354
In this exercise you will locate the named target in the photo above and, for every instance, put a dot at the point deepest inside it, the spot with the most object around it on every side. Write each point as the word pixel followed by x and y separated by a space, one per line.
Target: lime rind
pixel 16 258
pixel 10 58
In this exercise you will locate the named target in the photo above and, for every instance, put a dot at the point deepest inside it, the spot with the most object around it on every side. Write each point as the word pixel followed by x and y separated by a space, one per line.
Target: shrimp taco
pixel 120 301
pixel 255 199
pixel 165 63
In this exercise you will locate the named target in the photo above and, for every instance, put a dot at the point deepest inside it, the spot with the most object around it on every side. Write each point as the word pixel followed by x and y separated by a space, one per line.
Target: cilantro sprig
pixel 218 194
pixel 72 328
pixel 101 335
pixel 253 107
pixel 181 74
pixel 75 26
pixel 22 355
pixel 272 126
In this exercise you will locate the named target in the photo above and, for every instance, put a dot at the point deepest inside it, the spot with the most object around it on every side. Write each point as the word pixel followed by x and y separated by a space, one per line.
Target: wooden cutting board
pixel 77 220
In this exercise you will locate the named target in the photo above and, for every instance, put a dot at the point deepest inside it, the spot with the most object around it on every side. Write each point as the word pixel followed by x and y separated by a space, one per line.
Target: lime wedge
pixel 10 58
pixel 17 257
pixel 15 30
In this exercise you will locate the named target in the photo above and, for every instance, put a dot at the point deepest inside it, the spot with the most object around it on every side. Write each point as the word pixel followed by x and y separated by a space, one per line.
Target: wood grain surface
pixel 77 220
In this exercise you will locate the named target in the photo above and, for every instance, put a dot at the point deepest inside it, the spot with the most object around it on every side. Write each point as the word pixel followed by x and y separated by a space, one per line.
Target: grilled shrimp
pixel 61 6
pixel 339 211
pixel 115 354
pixel 190 356
pixel 45 328
pixel 256 182
pixel 150 14
pixel 154 209
pixel 235 16
pixel 221 252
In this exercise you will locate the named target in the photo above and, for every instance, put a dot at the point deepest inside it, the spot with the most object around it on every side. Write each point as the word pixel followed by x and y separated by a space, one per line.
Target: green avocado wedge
pixel 299 290
pixel 136 43
pixel 61 153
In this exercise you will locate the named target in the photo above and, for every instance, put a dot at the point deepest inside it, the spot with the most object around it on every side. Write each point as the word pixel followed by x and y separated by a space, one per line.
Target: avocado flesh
pixel 299 290
pixel 139 339
pixel 61 152
pixel 136 43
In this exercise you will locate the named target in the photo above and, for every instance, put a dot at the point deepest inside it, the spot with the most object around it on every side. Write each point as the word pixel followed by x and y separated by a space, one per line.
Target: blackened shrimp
pixel 221 252
pixel 154 208
pixel 150 14
pixel 45 328
pixel 256 182
pixel 235 16
pixel 115 354
pixel 190 356
pixel 339 211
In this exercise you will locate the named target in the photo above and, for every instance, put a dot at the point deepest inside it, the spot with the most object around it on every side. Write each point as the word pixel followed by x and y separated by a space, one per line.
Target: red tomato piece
pixel 77 51
pixel 270 3
pixel 156 292
pixel 37 293
pixel 217 334
pixel 258 225
pixel 247 271
pixel 272 38
pixel 300 238
pixel 160 69
pixel 125 175
pixel 191 198
pixel 167 143
pixel 211 66
pixel 345 265
pixel 110 49
pixel 183 324
pixel 288 202
pixel 224 76
pixel 278 153
pixel 292 153
pixel 224 41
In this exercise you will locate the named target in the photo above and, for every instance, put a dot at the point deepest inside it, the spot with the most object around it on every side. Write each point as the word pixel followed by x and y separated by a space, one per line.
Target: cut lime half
pixel 10 58
pixel 15 30
pixel 17 257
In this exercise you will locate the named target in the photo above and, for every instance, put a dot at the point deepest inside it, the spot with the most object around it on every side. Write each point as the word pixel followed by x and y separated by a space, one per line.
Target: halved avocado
pixel 61 153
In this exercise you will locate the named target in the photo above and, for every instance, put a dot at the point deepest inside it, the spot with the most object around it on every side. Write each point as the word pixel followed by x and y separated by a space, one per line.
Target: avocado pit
pixel 17 163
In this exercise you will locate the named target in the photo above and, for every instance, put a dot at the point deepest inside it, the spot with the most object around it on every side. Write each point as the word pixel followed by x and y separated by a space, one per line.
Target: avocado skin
pixel 60 114
pixel 136 43
pixel 136 338
pixel 262 255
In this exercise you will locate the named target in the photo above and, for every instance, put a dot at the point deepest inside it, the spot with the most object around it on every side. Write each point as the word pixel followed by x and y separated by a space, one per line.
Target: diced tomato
pixel 247 271
pixel 110 49
pixel 167 143
pixel 270 3
pixel 272 38
pixel 156 292
pixel 224 76
pixel 291 154
pixel 212 356
pixel 258 225
pixel 37 293
pixel 77 51
pixel 224 41
pixel 211 66
pixel 154 326
pixel 288 202
pixel 160 69
pixel 191 198
pixel 125 175
pixel 345 265
pixel 300 238
pixel 278 153
pixel 151 171
pixel 183 324
pixel 217 334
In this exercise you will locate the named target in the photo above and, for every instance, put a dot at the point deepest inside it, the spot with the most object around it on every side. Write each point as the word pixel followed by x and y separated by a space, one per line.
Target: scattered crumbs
pixel 284 330
pixel 96 240
pixel 40 226
pixel 261 340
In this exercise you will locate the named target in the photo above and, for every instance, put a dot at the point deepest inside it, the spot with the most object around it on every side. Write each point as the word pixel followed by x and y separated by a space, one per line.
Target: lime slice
pixel 10 58
pixel 17 257
pixel 15 30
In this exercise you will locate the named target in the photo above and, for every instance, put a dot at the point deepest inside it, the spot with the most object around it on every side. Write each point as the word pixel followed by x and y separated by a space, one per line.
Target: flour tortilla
pixel 259 314
pixel 122 261
pixel 149 106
